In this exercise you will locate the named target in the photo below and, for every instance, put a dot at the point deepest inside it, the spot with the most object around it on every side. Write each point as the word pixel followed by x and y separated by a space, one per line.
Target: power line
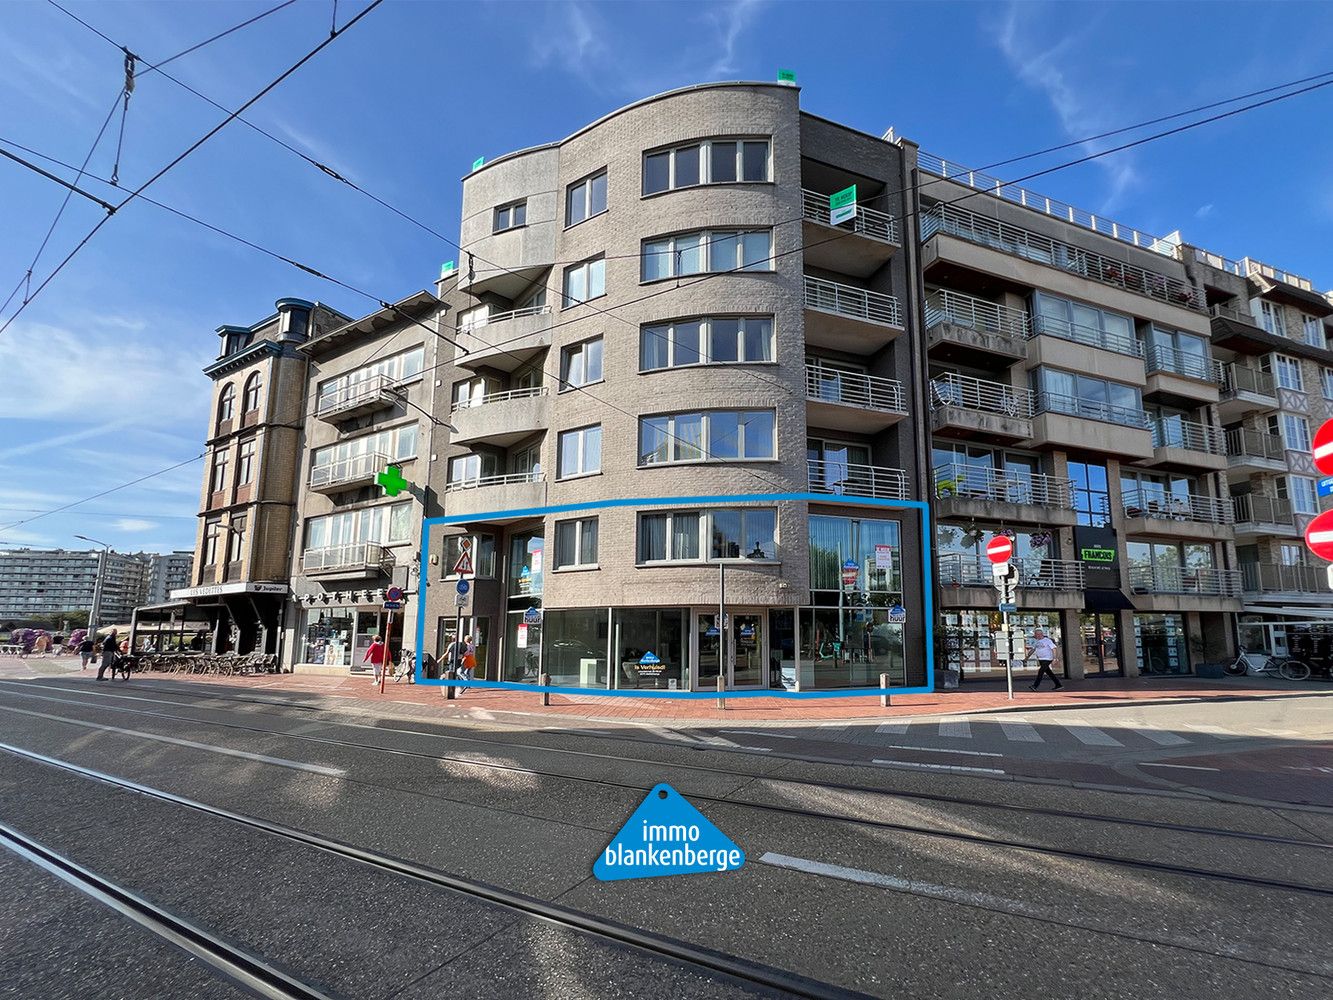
pixel 208 41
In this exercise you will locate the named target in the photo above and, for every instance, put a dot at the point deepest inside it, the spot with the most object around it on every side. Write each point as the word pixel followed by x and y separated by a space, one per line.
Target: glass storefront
pixel 1101 644
pixel 480 630
pixel 973 644
pixel 574 650
pixel 642 635
pixel 849 647
pixel 1159 643
pixel 337 636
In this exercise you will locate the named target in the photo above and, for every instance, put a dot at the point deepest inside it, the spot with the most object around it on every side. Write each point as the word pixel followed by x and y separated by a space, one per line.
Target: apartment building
pixel 167 572
pixel 54 581
pixel 656 310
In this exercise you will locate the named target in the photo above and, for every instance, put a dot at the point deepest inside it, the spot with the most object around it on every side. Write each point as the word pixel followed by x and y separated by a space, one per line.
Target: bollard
pixel 884 684
pixel 545 681
pixel 721 688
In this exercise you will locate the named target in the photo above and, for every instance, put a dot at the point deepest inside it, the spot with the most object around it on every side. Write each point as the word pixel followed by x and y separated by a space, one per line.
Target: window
pixel 1313 330
pixel 834 540
pixel 581 364
pixel 371 525
pixel 1300 491
pixel 585 281
pixel 245 464
pixel 510 216
pixel 715 534
pixel 212 528
pixel 1085 325
pixel 576 543
pixel 218 480
pixel 235 539
pixel 1092 498
pixel 1087 397
pixel 1288 373
pixel 227 402
pixel 397 368
pixel 580 452
pixel 716 161
pixel 1273 320
pixel 1295 432
pixel 396 445
pixel 1291 554
pixel 712 436
pixel 585 198
pixel 1328 383
pixel 1179 352
pixel 471 468
pixel 483 555
pixel 706 250
pixel 250 398
pixel 526 461
pixel 472 392
pixel 710 340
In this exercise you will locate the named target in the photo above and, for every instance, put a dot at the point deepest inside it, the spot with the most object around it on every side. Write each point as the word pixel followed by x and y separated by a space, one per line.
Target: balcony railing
pixel 1033 572
pixel 946 306
pixel 852 479
pixel 1238 378
pixel 1222 311
pixel 1002 236
pixel 1174 362
pixel 1259 578
pixel 1175 432
pixel 1089 409
pixel 352 395
pixel 1107 340
pixel 1204 581
pixel 513 479
pixel 1244 443
pixel 854 389
pixel 472 402
pixel 846 300
pixel 356 556
pixel 477 322
pixel 979 482
pixel 1161 505
pixel 358 468
pixel 866 221
pixel 1254 508
pixel 979 395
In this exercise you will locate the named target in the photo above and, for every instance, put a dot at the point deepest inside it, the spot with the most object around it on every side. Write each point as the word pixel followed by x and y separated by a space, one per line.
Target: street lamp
pixel 95 611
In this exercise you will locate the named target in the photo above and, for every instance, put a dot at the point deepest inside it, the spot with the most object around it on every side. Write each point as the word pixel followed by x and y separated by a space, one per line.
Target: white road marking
pixel 1215 731
pixel 940 767
pixel 750 732
pixel 893 727
pixel 1092 736
pixel 1161 738
pixel 959 728
pixel 1278 732
pixel 1019 731
pixel 970 753
pixel 1183 767
pixel 332 772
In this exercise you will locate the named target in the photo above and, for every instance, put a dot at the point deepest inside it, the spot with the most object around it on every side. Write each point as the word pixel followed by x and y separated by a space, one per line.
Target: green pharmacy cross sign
pixel 392 480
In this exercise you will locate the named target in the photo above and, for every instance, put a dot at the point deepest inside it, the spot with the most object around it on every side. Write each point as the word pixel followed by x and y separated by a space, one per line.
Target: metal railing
pixel 1160 505
pixel 846 300
pixel 1259 577
pixel 1002 236
pixel 1167 359
pixel 1244 443
pixel 1239 378
pixel 979 482
pixel 348 395
pixel 1254 508
pixel 866 221
pixel 490 320
pixel 349 470
pixel 1204 581
pixel 1223 311
pixel 472 402
pixel 1120 343
pixel 946 306
pixel 512 479
pixel 968 393
pixel 355 556
pixel 1175 432
pixel 854 389
pixel 852 479
pixel 1034 572
pixel 1088 409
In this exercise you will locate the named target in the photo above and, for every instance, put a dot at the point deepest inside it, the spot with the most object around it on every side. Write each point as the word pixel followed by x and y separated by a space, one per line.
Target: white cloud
pixel 48 445
pixel 732 19
pixel 134 524
pixel 1204 211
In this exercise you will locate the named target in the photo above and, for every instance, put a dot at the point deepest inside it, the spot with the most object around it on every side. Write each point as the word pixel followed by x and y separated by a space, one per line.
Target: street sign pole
pixel 1009 653
pixel 388 634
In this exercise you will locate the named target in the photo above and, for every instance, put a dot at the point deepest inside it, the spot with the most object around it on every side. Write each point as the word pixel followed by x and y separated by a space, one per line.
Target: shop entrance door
pixel 742 659
pixel 1101 645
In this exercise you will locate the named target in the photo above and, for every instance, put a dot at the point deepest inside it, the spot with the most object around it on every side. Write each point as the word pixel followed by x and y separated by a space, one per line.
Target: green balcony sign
pixel 842 206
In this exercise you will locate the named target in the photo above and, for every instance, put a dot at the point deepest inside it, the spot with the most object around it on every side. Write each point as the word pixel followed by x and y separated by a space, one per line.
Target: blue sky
pixel 100 377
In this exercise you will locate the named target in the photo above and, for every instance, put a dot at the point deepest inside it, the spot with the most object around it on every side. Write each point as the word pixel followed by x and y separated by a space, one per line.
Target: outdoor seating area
pixel 223 664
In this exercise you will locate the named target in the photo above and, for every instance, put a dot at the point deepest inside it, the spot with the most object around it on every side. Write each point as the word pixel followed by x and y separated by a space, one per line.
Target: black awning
pixel 1106 599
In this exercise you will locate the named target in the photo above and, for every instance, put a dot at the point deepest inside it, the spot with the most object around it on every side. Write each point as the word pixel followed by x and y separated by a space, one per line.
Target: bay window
pixel 713 161
pixel 712 250
pixel 713 436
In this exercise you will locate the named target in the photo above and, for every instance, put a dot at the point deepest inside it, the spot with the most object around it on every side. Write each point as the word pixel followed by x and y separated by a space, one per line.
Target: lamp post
pixel 95 612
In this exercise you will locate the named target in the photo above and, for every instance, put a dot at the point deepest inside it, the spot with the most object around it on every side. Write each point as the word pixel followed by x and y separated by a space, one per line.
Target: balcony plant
pixel 1039 539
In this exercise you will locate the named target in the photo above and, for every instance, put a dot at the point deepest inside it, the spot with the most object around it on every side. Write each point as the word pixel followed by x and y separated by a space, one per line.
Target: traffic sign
pixel 999 549
pixel 462 586
pixel 394 594
pixel 460 599
pixel 1325 486
pixel 1322 448
pixel 1011 608
pixel 464 564
pixel 1319 536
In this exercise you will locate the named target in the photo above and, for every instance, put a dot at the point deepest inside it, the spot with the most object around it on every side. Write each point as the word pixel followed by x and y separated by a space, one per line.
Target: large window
pixel 396 444
pixel 576 543
pixel 585 198
pixel 1076 321
pixel 1273 320
pixel 708 535
pixel 714 161
pixel 250 397
pixel 707 250
pixel 1092 498
pixel 585 281
pixel 510 216
pixel 580 452
pixel 396 368
pixel 472 468
pixel 483 555
pixel 235 539
pixel 875 547
pixel 1288 373
pixel 227 402
pixel 711 436
pixel 1295 432
pixel 218 480
pixel 707 340
pixel 581 364
pixel 386 524
pixel 1091 398
pixel 212 528
pixel 1313 328
pixel 1179 352
pixel 1300 490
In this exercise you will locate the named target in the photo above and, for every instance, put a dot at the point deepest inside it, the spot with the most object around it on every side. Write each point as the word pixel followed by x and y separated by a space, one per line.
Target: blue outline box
pixel 927 585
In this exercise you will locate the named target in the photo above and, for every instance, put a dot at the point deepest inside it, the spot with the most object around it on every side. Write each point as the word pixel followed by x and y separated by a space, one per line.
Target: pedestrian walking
pixel 376 656
pixel 453 660
pixel 86 650
pixel 110 650
pixel 1044 649
pixel 469 659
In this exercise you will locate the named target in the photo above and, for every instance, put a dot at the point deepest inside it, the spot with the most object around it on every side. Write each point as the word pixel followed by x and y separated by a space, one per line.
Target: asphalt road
pixel 882 879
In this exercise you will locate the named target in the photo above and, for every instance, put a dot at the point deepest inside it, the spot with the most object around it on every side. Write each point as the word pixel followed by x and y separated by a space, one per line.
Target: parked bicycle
pixel 1258 665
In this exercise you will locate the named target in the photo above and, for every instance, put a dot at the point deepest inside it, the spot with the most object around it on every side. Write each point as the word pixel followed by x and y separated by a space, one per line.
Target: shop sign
pixel 897 615
pixel 521 641
pixel 532 616
pixel 650 664
pixel 884 557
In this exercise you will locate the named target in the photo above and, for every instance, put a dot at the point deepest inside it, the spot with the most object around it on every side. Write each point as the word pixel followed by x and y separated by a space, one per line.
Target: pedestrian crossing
pixel 1006 729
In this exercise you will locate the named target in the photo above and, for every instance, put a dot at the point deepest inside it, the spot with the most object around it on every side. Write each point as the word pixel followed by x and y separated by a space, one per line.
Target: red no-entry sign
pixel 1322 446
pixel 1319 536
pixel 1000 548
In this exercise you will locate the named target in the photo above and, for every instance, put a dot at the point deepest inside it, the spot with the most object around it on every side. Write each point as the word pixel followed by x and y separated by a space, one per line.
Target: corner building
pixel 657 307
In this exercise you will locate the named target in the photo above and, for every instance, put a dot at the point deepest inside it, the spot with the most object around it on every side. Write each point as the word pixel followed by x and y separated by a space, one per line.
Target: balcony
pixel 965 329
pixel 1222 311
pixel 1182 586
pixel 1045 583
pixel 505 341
pixel 1244 391
pixel 348 473
pixel 1250 451
pixel 845 318
pixel 975 491
pixel 1276 578
pixel 851 401
pixel 1181 378
pixel 860 246
pixel 501 418
pixel 852 479
pixel 357 560
pixel 1180 443
pixel 975 408
pixel 983 231
pixel 1072 423
pixel 1177 515
pixel 1256 514
pixel 496 499
pixel 347 398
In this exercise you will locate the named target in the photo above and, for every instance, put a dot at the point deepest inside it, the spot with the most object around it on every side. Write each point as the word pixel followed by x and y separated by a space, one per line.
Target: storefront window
pixel 971 642
pixel 574 650
pixel 849 648
pixel 480 631
pixel 526 565
pixel 328 637
pixel 870 544
pixel 1159 641
pixel 522 648
pixel 642 635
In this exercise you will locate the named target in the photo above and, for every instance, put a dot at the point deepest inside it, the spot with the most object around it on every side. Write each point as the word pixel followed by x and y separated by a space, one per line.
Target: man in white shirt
pixel 1045 650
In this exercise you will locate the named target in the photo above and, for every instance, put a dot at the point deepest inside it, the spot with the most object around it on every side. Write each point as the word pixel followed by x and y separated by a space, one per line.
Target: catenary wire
pixel 208 41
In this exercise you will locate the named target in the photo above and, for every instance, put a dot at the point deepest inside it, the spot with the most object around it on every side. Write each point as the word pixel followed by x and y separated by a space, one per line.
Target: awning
pixel 1106 599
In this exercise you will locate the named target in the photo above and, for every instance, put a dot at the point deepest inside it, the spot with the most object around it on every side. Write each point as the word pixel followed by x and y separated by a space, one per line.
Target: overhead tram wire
pixel 209 41
pixel 190 149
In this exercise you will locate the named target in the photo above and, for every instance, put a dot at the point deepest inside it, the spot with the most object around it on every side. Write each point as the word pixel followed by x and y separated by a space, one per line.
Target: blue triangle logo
pixel 667 836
